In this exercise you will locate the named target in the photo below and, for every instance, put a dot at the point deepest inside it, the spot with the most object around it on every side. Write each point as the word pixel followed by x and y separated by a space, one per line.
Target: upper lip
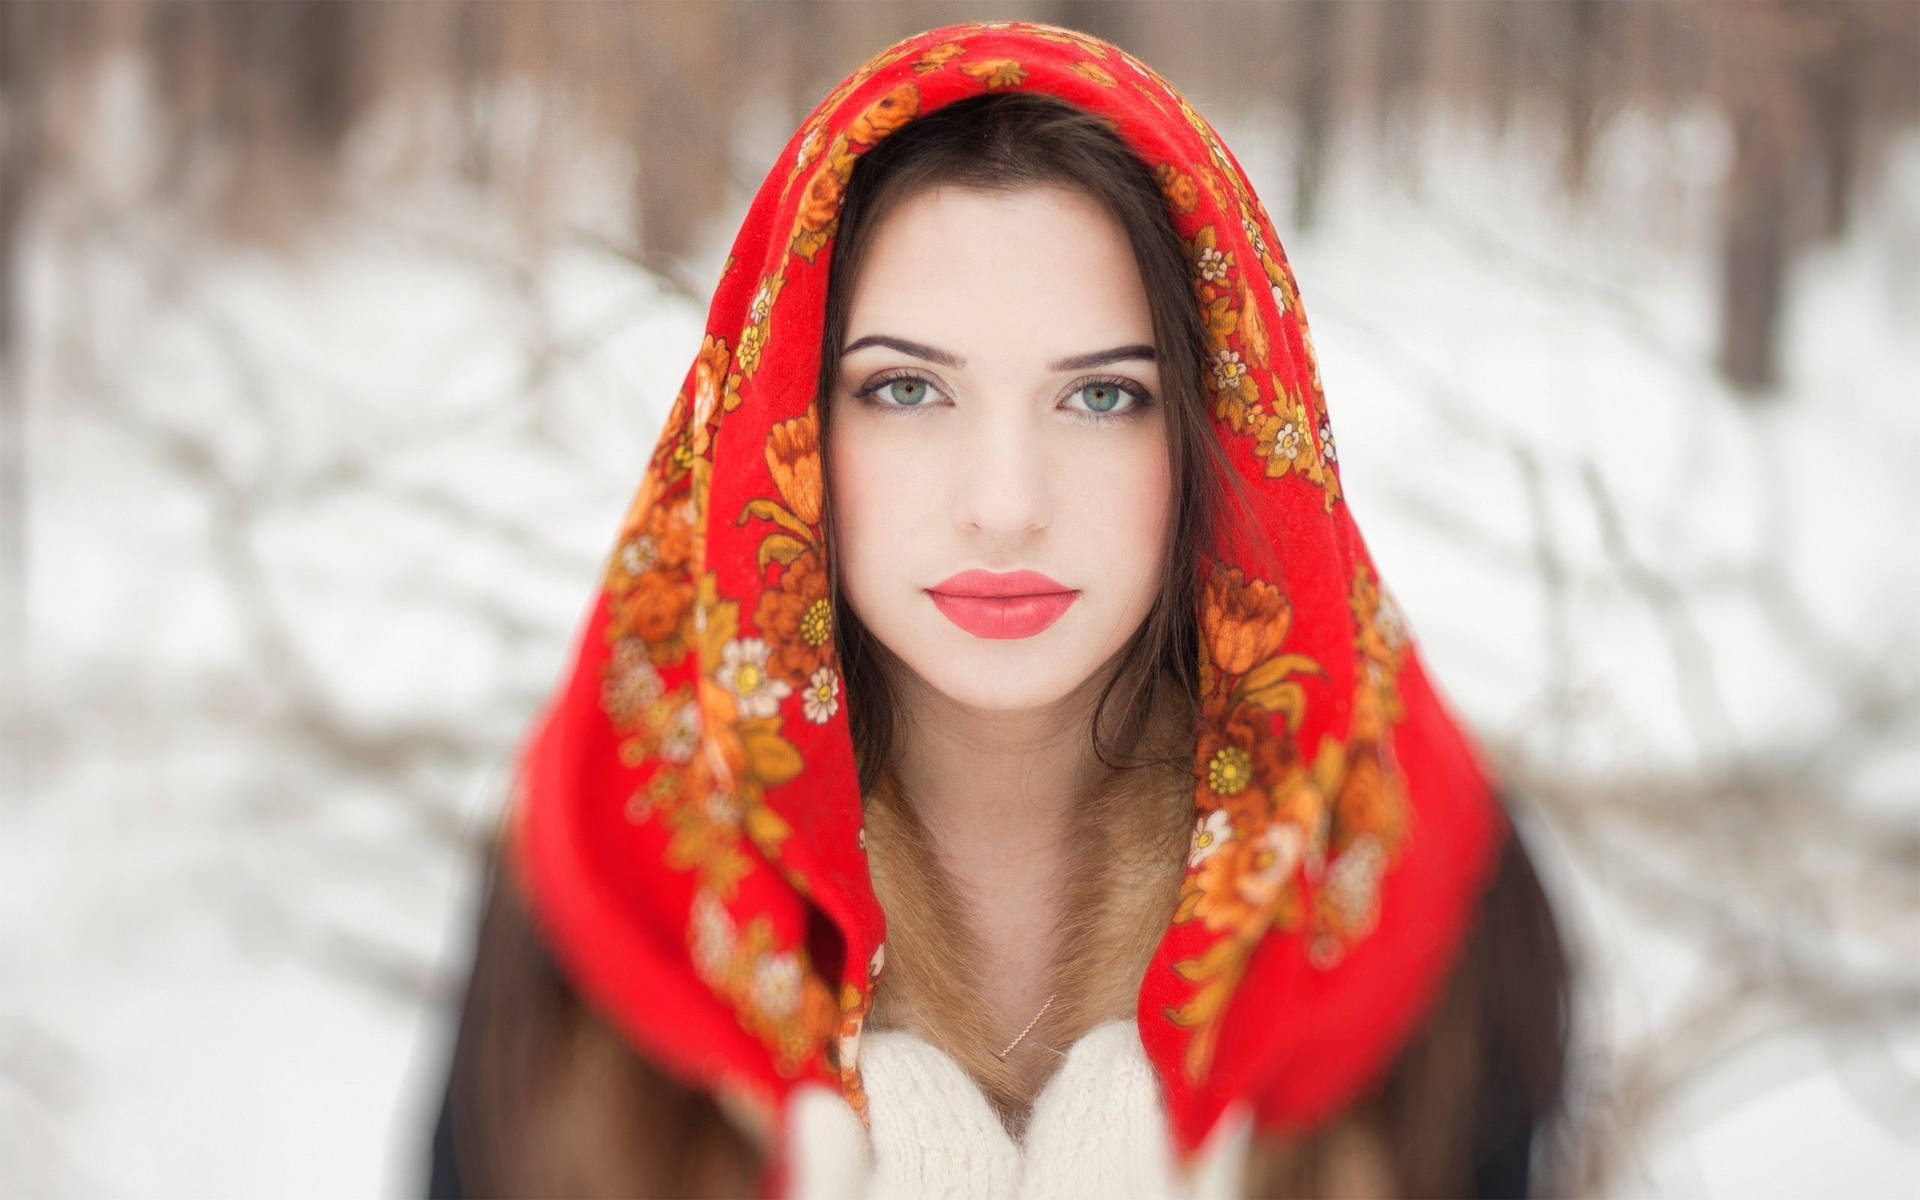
pixel 996 584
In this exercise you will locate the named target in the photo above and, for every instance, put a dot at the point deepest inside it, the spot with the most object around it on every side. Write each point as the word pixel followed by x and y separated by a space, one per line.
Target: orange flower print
pixel 797 618
pixel 996 72
pixel 793 455
pixel 1177 187
pixel 1211 896
pixel 1243 761
pixel 885 115
pixel 654 610
pixel 1098 74
pixel 938 57
pixel 1241 883
pixel 1370 803
pixel 1302 798
pixel 722 755
pixel 661 539
pixel 1245 619
pixel 820 206
pixel 709 379
pixel 647 592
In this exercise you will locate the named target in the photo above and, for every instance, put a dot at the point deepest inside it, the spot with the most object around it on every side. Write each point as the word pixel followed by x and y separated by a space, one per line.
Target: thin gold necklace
pixel 1030 1024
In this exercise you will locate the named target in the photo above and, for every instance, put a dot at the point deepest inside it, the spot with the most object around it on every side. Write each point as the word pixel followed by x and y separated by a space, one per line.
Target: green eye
pixel 1103 398
pixel 909 393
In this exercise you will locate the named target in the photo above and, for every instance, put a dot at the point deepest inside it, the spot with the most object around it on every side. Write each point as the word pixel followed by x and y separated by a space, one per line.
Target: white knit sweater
pixel 1098 1128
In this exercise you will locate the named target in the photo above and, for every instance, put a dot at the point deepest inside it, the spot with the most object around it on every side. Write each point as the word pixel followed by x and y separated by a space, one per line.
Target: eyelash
pixel 1142 400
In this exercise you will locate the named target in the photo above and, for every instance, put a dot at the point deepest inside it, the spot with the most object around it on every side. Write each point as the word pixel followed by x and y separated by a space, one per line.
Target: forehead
pixel 1046 268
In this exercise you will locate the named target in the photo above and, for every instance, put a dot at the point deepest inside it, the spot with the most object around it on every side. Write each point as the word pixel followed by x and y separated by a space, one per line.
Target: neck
pixel 1048 874
pixel 1002 781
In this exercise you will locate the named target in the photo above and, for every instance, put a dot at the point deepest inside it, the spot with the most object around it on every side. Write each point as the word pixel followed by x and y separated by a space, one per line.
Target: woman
pixel 992 765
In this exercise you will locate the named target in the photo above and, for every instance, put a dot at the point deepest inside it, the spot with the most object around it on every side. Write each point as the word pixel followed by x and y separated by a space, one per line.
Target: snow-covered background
pixel 311 529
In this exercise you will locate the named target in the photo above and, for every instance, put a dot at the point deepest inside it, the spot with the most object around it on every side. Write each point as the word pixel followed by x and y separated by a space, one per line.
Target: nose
pixel 1002 488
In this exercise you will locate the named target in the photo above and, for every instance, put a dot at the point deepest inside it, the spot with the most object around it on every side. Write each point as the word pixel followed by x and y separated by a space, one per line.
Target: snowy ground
pixel 311 532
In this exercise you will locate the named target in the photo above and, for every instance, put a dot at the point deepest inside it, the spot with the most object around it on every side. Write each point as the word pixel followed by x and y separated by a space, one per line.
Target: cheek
pixel 1122 504
pixel 876 493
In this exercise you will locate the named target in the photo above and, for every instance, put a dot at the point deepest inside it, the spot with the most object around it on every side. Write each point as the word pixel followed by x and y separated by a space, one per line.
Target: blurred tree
pixel 1834 85
pixel 21 83
pixel 1755 52
pixel 1400 79
pixel 476 63
pixel 1313 100
pixel 686 95
pixel 257 97
pixel 1581 63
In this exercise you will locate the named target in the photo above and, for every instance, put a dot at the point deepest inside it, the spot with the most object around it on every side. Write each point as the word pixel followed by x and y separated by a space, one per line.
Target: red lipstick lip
pixel 998 585
pixel 1016 604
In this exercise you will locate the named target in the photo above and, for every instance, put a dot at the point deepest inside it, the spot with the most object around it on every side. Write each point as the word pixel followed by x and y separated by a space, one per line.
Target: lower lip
pixel 1004 617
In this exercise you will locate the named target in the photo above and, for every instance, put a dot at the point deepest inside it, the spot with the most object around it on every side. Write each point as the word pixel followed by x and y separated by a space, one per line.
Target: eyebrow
pixel 1078 362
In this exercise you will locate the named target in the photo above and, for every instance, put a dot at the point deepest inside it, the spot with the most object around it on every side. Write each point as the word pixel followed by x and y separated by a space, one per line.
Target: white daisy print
pixel 1213 265
pixel 1354 878
pixel 822 697
pixel 639 554
pixel 743 671
pixel 1209 834
pixel 1228 370
pixel 712 937
pixel 1277 852
pixel 682 734
pixel 776 984
pixel 1286 444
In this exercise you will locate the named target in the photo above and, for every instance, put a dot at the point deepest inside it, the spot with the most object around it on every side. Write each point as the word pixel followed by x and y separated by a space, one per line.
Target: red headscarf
pixel 687 824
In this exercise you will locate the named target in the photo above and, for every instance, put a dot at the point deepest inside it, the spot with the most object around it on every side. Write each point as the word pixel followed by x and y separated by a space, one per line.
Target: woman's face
pixel 997 427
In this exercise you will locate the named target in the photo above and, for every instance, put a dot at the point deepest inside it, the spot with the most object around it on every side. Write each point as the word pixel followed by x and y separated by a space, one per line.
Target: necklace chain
pixel 1030 1024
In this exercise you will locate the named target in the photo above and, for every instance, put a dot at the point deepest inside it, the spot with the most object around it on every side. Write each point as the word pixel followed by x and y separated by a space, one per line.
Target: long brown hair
pixel 545 1098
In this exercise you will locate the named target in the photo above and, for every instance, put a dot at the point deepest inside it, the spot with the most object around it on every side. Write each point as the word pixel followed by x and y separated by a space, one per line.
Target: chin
pixel 1004 675
pixel 1000 691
